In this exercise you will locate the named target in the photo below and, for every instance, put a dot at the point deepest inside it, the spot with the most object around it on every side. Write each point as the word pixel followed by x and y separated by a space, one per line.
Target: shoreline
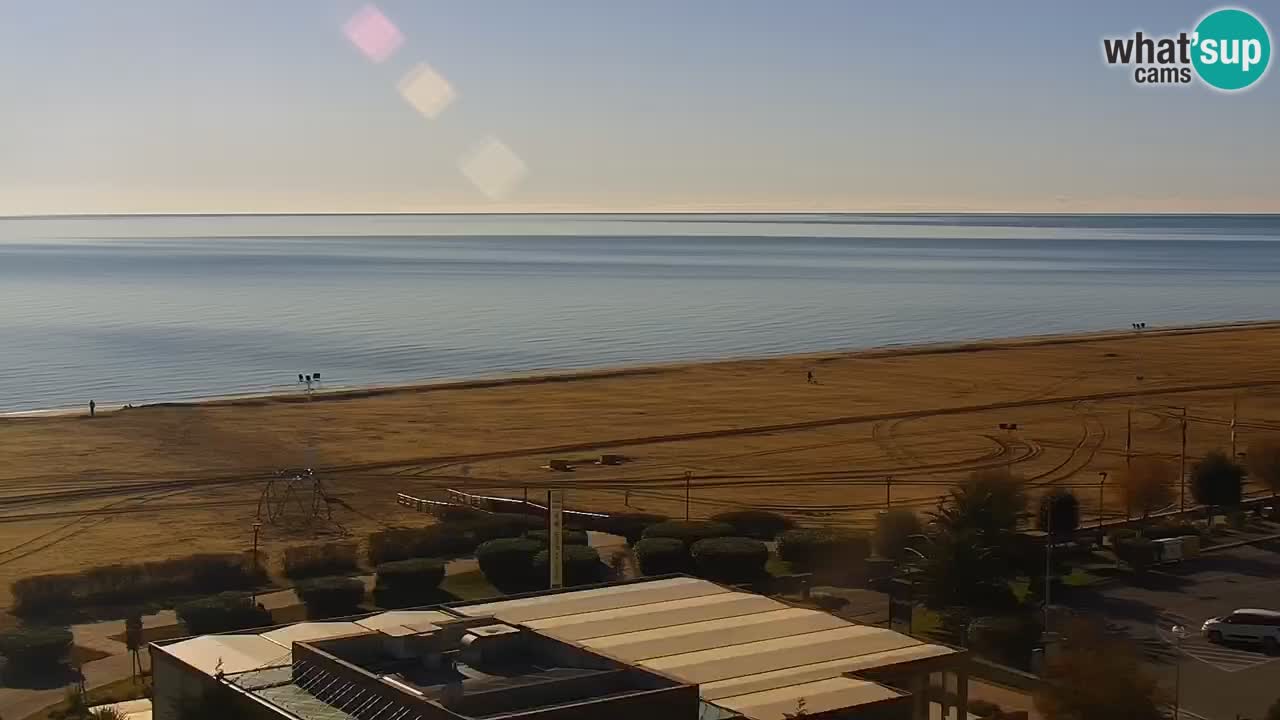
pixel 258 399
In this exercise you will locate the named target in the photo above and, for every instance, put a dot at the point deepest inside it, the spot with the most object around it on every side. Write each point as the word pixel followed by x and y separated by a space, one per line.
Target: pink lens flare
pixel 373 33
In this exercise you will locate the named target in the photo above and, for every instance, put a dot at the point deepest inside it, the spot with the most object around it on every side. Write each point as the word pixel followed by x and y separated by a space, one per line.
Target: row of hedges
pixel 726 559
pixel 451 538
pixel 36 648
pixel 523 564
pixel 833 555
pixel 137 583
pixel 331 596
pixel 756 524
pixel 406 583
pixel 223 612
pixel 306 561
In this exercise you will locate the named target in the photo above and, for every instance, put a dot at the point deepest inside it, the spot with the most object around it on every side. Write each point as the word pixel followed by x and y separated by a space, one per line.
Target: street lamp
pixel 1179 633
pixel 1102 498
pixel 256 527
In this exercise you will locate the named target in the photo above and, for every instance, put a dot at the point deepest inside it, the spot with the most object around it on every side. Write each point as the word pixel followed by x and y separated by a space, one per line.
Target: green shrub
pixel 307 561
pixel 331 597
pixel 660 556
pixel 1137 553
pixel 405 583
pixel 688 531
pixel 223 612
pixel 440 541
pixel 893 532
pixel 459 514
pixel 730 559
pixel 628 525
pixel 508 563
pixel 581 565
pixel 36 647
pixel 503 525
pixel 571 537
pixel 758 524
pixel 832 554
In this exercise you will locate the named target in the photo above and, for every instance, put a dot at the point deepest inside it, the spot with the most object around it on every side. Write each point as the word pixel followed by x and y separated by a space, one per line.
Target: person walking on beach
pixel 93 408
pixel 810 379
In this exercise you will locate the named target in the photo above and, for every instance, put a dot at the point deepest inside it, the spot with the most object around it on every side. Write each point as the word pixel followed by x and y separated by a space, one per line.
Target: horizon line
pixel 508 213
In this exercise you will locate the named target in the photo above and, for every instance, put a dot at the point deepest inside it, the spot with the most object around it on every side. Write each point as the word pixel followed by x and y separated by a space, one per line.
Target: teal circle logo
pixel 1231 49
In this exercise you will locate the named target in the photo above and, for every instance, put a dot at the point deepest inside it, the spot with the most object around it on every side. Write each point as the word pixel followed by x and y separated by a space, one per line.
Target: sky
pixel 154 106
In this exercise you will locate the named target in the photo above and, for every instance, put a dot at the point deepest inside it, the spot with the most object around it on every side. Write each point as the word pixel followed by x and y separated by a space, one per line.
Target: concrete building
pixel 673 648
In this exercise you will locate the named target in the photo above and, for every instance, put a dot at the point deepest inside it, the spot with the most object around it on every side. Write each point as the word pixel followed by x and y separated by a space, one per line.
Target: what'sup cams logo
pixel 1229 50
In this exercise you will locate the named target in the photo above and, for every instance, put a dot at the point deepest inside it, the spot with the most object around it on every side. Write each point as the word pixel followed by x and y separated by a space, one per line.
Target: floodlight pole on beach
pixel 1182 467
pixel 888 493
pixel 688 482
pixel 1235 407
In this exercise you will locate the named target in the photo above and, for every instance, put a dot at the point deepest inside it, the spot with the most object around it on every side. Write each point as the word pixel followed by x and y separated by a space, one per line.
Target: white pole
pixel 555 536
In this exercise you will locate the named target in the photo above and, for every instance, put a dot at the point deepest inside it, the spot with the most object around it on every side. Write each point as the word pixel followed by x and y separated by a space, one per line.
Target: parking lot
pixel 1217 681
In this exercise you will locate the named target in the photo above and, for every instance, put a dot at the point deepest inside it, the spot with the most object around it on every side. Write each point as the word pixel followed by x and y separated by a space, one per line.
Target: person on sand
pixel 93 408
pixel 811 380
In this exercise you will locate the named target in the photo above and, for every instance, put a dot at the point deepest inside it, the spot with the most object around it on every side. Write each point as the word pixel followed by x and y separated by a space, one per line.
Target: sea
pixel 145 309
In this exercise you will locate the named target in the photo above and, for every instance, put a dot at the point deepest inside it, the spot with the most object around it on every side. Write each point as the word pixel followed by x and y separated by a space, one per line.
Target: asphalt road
pixel 1217 682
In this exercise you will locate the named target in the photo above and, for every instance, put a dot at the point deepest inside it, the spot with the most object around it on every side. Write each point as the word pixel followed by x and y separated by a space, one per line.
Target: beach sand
pixel 161 481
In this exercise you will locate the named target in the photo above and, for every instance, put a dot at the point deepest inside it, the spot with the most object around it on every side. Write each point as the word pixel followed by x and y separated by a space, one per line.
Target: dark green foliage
pixel 508 563
pixel 331 597
pixel 35 646
pixel 730 559
pixel 1217 480
pixel 306 561
pixel 823 550
pixel 688 531
pixel 1137 553
pixel 504 525
pixel 582 566
pixel 1059 513
pixel 136 583
pixel 571 537
pixel 893 532
pixel 405 583
pixel 758 524
pixel 629 525
pixel 441 541
pixel 222 613
pixel 660 556
pixel 1006 639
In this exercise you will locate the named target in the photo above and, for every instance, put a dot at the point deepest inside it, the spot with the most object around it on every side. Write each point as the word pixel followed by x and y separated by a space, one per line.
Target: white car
pixel 1247 625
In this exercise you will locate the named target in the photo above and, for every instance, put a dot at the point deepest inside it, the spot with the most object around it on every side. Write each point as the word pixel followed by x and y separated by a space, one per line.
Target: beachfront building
pixel 674 648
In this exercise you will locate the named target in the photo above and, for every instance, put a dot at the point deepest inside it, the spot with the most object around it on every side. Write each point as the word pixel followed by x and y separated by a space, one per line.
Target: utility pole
pixel 688 482
pixel 1182 467
pixel 1235 406
pixel 253 598
pixel 1048 560
pixel 1102 482
pixel 1128 437
pixel 888 497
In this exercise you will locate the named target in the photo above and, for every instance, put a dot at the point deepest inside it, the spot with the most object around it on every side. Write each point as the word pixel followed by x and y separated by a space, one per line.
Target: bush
pixel 1005 639
pixel 688 531
pixel 222 613
pixel 508 563
pixel 316 560
pixel 660 556
pixel 893 532
pixel 629 525
pixel 571 537
pixel 1137 553
pixel 331 597
pixel 1059 512
pixel 503 525
pixel 405 583
pixel 830 553
pixel 582 566
pixel 36 647
pixel 440 541
pixel 758 524
pixel 136 583
pixel 730 559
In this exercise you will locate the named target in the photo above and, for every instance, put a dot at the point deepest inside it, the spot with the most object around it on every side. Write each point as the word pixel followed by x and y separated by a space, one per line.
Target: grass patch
pixel 471 585
pixel 776 566
pixel 120 690
pixel 1080 577
pixel 1021 588
pixel 925 621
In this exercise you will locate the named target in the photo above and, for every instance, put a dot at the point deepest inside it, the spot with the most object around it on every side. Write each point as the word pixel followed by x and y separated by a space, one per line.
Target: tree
pixel 1264 462
pixel 1148 485
pixel 1097 677
pixel 894 529
pixel 1217 480
pixel 1059 513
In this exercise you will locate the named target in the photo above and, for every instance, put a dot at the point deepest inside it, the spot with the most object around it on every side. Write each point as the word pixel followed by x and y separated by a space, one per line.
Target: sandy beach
pixel 160 481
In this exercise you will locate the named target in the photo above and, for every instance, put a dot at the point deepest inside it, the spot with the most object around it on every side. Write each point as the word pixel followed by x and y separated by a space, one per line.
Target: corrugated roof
pixel 229 653
pixel 818 671
pixel 820 696
pixel 304 631
pixel 405 617
pixel 792 651
pixel 692 637
pixel 654 615
pixel 582 601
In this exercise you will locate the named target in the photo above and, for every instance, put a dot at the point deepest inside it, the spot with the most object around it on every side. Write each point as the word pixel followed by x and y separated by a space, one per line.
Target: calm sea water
pixel 135 310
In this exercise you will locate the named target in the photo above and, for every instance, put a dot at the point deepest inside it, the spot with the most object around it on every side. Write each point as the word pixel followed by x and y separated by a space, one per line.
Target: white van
pixel 1247 625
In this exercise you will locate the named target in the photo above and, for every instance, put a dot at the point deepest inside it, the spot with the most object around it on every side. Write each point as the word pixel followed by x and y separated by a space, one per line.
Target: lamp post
pixel 1102 482
pixel 688 482
pixel 1009 428
pixel 256 527
pixel 1179 634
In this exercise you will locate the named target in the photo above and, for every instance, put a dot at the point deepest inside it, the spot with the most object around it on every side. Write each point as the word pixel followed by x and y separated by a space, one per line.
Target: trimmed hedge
pixel 893 532
pixel 629 525
pixel 307 561
pixel 660 556
pixel 405 583
pixel 137 583
pixel 504 525
pixel 758 524
pixel 571 537
pixel 222 613
pixel 689 531
pixel 331 596
pixel 582 566
pixel 827 552
pixel 730 559
pixel 440 541
pixel 508 563
pixel 36 647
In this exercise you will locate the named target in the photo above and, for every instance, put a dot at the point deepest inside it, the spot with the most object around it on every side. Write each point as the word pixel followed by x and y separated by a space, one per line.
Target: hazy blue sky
pixel 264 105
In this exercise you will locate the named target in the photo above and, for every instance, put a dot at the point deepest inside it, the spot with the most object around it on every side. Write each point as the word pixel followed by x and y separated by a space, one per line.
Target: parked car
pixel 1247 625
